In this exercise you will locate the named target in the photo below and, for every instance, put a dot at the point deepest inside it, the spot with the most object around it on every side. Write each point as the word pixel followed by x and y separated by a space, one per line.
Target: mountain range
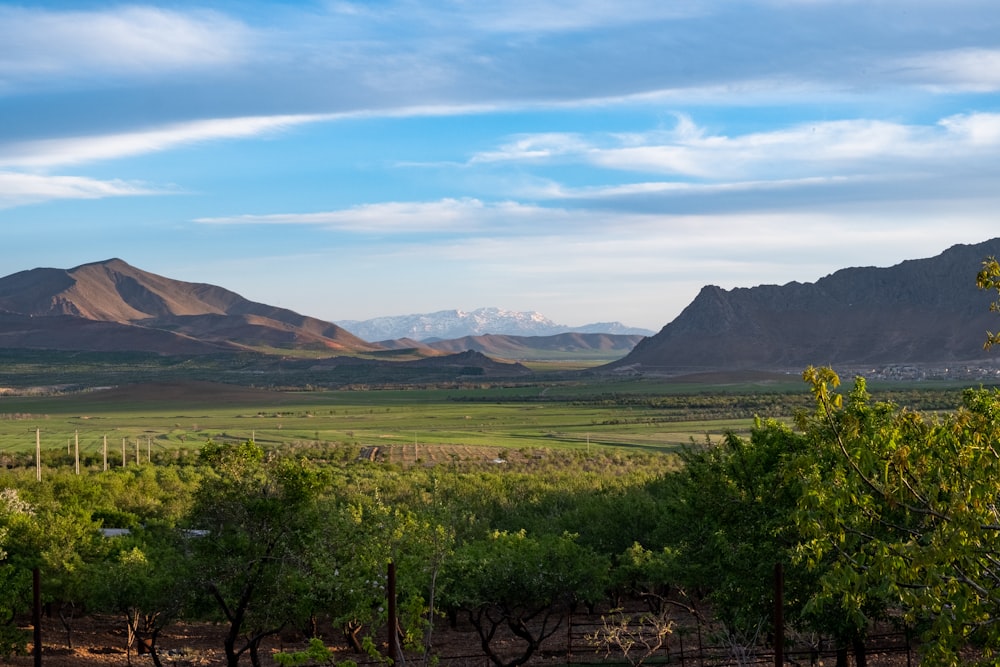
pixel 452 324
pixel 111 306
pixel 922 311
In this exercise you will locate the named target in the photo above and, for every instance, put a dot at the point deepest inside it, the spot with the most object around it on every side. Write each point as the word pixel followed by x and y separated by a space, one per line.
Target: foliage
pixel 988 278
pixel 906 510
pixel 522 583
pixel 256 514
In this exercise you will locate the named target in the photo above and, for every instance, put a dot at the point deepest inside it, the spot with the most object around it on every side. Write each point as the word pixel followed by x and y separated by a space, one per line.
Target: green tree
pixel 907 511
pixel 257 515
pixel 988 278
pixel 142 580
pixel 522 584
pixel 15 577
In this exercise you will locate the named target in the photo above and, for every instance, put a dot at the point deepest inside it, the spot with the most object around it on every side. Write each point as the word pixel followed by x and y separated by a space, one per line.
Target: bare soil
pixel 100 640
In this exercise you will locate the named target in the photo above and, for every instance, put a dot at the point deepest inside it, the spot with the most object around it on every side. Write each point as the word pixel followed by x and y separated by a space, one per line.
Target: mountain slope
pixel 452 324
pixel 919 311
pixel 570 345
pixel 86 307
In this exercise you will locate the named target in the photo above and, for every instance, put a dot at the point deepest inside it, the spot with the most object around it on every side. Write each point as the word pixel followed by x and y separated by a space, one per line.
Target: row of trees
pixel 877 513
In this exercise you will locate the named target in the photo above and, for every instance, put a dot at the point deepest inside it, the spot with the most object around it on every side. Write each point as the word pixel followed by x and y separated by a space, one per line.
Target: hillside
pixel 922 311
pixel 111 305
pixel 565 345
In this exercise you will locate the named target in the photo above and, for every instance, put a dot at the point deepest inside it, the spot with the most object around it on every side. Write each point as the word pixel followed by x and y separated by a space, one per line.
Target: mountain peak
pixel 922 311
pixel 120 297
pixel 452 324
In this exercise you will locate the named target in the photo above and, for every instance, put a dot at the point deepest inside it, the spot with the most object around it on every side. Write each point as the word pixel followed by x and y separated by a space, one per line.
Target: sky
pixel 591 160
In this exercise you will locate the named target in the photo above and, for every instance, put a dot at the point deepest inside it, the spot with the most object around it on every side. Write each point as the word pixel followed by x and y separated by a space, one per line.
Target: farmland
pixel 406 424
pixel 606 487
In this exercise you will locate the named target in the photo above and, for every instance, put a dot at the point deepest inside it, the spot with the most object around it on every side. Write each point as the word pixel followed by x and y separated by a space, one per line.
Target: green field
pixel 639 415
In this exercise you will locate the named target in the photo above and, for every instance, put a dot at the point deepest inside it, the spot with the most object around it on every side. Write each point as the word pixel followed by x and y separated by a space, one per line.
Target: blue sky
pixel 590 160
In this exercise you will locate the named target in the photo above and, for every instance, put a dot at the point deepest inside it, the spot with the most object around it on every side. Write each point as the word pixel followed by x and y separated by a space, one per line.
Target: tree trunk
pixel 351 631
pixel 67 621
pixel 860 654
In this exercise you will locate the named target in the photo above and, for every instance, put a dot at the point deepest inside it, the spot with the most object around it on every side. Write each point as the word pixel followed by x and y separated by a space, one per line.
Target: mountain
pixel 922 311
pixel 596 346
pixel 112 306
pixel 450 324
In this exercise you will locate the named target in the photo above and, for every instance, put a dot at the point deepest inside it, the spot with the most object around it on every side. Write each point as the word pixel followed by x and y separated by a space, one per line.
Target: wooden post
pixel 38 454
pixel 137 451
pixel 36 614
pixel 779 616
pixel 149 448
pixel 123 452
pixel 105 452
pixel 76 449
pixel 395 654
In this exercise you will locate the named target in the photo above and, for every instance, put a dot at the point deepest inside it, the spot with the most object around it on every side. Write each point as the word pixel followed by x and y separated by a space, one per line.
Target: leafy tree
pixel 907 511
pixel 523 584
pixel 15 578
pixel 141 580
pixel 257 515
pixel 988 278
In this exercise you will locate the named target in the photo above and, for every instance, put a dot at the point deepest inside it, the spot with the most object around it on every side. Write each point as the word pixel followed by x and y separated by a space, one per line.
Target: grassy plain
pixel 187 414
pixel 636 415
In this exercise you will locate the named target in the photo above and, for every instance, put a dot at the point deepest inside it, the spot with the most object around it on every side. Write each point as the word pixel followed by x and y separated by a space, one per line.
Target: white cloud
pixel 76 150
pixel 466 215
pixel 20 189
pixel 808 150
pixel 955 70
pixel 129 39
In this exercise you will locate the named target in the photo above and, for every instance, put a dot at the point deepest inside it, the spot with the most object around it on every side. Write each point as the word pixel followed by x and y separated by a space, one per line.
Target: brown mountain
pixel 112 306
pixel 568 345
pixel 924 311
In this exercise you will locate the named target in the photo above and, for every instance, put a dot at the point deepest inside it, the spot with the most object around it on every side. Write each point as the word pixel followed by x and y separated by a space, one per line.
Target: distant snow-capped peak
pixel 447 324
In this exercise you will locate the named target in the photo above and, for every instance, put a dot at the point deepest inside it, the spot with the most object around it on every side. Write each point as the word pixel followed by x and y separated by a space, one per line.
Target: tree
pixel 140 580
pixel 257 515
pixel 523 584
pixel 907 511
pixel 733 514
pixel 988 278
pixel 15 578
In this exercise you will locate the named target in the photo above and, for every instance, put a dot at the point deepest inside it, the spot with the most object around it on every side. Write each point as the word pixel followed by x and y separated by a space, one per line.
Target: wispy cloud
pixel 20 189
pixel 468 215
pixel 123 40
pixel 818 149
pixel 955 70
pixel 77 150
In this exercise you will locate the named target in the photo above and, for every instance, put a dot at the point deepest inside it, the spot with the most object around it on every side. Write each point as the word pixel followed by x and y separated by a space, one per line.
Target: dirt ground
pixel 100 640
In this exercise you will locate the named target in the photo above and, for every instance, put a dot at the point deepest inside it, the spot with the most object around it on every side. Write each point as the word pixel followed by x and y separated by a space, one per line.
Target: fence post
pixel 36 614
pixel 779 616
pixel 395 653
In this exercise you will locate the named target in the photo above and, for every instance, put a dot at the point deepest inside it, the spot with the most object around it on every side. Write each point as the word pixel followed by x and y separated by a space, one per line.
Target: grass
pixel 643 414
pixel 188 414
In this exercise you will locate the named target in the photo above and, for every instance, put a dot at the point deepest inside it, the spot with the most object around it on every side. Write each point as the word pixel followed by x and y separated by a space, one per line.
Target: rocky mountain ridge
pixel 922 311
